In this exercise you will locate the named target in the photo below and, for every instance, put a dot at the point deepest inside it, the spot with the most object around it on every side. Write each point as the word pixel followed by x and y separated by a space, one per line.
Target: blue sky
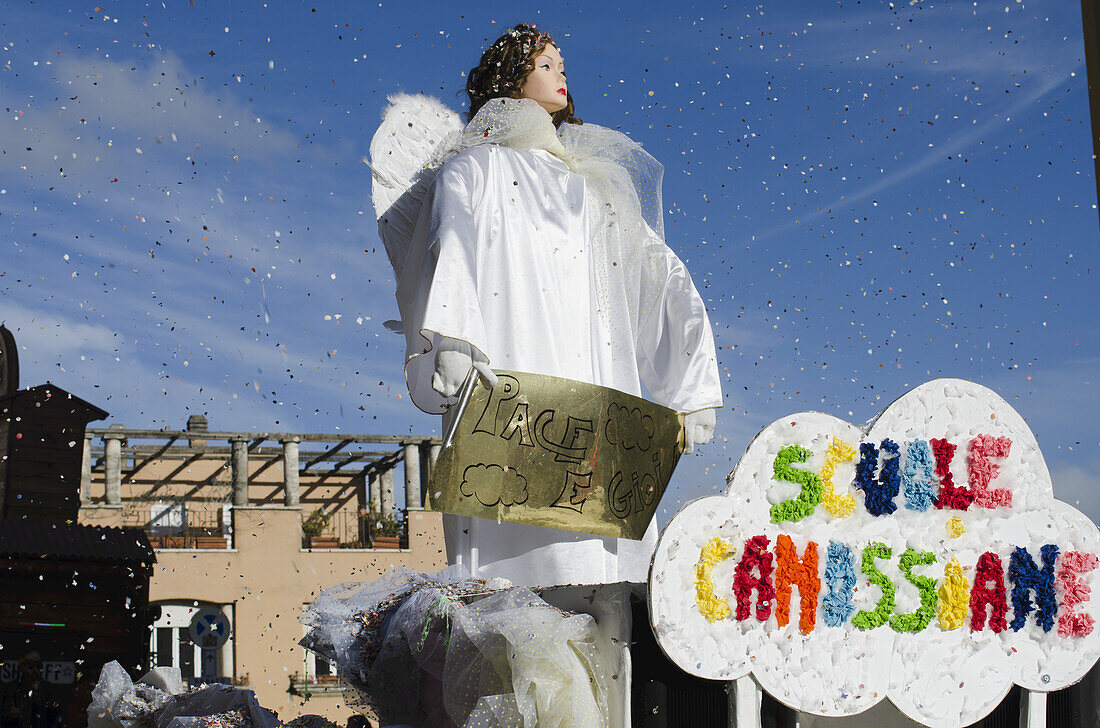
pixel 868 194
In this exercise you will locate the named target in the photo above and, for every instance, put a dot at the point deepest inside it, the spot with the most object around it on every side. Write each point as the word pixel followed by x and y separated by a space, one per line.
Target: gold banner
pixel 553 452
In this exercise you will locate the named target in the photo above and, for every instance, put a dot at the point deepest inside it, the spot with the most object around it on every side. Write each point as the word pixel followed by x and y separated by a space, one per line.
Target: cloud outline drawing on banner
pixel 628 428
pixel 492 484
pixel 729 570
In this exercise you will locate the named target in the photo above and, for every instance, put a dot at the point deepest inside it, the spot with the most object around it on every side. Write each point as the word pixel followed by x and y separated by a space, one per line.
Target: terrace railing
pixel 180 485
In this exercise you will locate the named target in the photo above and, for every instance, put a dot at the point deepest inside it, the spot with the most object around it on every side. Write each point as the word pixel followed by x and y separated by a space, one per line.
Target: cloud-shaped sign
pixel 492 484
pixel 923 558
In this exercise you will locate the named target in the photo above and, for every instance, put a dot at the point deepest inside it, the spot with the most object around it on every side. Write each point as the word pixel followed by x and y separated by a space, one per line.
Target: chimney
pixel 197 423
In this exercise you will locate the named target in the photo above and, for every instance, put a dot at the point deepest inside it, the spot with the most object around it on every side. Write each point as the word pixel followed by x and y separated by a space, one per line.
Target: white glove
pixel 698 429
pixel 453 361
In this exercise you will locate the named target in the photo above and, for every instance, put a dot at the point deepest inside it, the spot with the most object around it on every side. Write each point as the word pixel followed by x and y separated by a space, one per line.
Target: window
pixel 317 669
pixel 172 646
pixel 167 519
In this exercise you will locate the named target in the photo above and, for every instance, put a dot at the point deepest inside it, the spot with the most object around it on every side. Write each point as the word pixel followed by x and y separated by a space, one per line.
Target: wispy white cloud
pixel 935 155
pixel 162 101
pixel 1079 486
pixel 49 334
pixel 278 228
pixel 931 38
pixel 131 374
pixel 80 121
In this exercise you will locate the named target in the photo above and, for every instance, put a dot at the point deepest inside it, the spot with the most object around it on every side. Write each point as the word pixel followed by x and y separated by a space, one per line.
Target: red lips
pixel 561 91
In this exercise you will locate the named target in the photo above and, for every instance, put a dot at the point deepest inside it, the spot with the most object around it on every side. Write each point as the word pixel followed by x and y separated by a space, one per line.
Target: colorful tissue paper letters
pixel 923 558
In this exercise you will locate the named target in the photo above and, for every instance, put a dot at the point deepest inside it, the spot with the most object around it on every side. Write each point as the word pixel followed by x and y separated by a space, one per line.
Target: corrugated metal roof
pixel 69 541
pixel 53 395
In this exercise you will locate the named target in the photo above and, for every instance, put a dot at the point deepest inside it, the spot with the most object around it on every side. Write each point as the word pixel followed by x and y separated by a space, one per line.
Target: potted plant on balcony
pixel 384 530
pixel 313 526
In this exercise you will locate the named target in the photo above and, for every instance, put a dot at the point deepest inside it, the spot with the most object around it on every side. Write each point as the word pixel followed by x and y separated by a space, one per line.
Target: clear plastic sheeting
pixel 187 710
pixel 117 702
pixel 310 721
pixel 157 701
pixel 447 650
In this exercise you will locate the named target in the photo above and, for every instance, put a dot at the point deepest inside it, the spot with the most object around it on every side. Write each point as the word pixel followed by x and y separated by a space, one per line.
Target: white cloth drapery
pixel 523 251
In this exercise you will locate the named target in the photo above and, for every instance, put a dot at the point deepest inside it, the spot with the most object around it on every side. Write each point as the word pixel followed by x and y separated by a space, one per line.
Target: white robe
pixel 500 259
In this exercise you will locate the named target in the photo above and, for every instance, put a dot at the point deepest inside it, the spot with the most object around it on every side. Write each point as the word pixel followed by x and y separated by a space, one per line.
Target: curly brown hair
pixel 505 65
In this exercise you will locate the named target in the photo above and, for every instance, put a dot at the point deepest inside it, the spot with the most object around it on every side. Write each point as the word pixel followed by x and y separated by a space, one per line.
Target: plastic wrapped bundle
pixel 446 650
pixel 233 707
pixel 236 718
pixel 158 701
pixel 118 702
pixel 547 657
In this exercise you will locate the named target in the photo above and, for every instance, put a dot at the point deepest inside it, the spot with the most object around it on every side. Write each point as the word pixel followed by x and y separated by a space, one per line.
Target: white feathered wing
pixel 413 128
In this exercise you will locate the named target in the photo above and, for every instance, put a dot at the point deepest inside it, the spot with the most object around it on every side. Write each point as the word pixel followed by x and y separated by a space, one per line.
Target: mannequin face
pixel 546 84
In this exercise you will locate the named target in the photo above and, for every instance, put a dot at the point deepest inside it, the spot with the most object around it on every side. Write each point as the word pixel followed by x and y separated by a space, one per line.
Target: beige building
pixel 255 525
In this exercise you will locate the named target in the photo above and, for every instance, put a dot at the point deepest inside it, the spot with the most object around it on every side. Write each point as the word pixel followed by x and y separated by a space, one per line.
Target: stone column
pixel 290 473
pixel 240 471
pixel 86 472
pixel 362 503
pixel 387 492
pixel 435 452
pixel 113 469
pixel 425 468
pixel 375 488
pixel 412 477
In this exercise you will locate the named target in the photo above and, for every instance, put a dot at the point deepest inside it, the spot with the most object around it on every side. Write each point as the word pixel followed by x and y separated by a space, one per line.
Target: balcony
pixel 350 529
pixel 182 486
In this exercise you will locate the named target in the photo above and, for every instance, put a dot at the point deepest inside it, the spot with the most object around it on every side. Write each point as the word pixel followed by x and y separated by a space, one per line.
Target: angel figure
pixel 526 240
